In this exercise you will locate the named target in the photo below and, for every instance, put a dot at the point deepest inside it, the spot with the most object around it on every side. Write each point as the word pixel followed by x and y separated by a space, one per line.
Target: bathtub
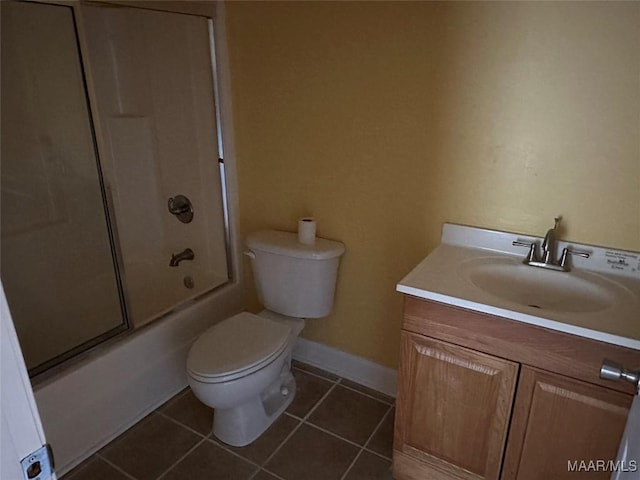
pixel 114 386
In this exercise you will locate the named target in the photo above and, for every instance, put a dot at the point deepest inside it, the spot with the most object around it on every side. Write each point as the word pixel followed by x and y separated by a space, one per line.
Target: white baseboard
pixel 347 365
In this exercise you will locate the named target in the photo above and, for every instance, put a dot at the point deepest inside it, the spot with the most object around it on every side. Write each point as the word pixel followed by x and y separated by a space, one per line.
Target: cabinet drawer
pixel 550 350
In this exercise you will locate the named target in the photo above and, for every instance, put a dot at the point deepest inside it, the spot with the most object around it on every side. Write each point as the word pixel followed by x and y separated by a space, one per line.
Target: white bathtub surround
pixel 87 406
pixel 613 318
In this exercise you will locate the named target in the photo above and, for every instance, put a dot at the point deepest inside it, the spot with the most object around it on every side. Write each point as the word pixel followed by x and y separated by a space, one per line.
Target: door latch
pixel 39 464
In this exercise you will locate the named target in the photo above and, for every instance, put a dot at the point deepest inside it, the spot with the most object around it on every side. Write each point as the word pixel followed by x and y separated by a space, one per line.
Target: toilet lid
pixel 236 344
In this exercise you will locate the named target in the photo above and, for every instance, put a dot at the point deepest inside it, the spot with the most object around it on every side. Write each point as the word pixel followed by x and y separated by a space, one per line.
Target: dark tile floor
pixel 334 429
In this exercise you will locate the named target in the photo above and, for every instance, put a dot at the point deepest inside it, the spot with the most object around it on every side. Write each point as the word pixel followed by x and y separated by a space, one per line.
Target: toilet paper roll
pixel 307 230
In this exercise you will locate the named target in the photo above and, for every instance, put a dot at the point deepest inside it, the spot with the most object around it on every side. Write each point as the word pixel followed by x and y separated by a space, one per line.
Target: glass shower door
pixel 57 265
pixel 154 92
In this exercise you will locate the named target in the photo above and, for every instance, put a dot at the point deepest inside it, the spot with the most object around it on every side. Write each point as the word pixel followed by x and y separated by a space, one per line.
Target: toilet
pixel 241 366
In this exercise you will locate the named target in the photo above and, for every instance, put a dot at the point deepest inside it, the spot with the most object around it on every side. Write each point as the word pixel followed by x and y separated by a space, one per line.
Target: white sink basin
pixel 481 270
pixel 510 280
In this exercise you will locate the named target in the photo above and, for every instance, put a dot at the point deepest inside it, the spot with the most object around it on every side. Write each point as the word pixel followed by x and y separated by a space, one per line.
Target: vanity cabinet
pixel 482 397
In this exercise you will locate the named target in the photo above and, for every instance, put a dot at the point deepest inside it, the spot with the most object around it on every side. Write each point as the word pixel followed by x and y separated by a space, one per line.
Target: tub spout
pixel 176 258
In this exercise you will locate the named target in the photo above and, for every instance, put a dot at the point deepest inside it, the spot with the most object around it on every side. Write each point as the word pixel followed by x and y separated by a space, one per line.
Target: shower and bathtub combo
pixel 116 214
pixel 113 205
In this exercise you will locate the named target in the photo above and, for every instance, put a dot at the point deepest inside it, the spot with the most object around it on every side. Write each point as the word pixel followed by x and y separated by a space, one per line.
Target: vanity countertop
pixel 604 307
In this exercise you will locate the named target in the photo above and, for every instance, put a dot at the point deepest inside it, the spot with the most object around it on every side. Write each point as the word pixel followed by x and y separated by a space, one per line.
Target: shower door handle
pixel 181 207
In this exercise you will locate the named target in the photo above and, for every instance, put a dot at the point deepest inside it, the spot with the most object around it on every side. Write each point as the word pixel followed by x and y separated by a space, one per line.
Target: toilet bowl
pixel 241 367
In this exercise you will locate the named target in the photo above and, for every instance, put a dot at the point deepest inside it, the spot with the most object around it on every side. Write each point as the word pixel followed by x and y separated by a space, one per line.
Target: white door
pixel 22 432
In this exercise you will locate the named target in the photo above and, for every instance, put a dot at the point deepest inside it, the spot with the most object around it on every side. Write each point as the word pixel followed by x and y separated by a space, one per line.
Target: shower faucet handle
pixel 181 207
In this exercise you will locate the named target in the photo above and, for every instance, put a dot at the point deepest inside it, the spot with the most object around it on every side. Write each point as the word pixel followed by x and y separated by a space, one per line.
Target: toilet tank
pixel 291 278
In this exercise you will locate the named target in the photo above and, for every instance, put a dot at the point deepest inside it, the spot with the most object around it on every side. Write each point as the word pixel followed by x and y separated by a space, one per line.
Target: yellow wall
pixel 386 119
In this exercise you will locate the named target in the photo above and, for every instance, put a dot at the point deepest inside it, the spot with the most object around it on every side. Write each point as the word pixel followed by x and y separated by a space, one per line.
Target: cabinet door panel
pixel 560 422
pixel 453 409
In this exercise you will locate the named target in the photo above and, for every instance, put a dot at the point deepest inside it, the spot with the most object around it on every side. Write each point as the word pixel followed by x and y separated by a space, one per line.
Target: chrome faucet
pixel 547 257
pixel 176 258
pixel 549 243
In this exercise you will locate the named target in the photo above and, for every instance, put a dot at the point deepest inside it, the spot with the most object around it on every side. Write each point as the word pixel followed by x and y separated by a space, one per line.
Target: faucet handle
pixel 557 221
pixel 533 247
pixel 522 243
pixel 570 251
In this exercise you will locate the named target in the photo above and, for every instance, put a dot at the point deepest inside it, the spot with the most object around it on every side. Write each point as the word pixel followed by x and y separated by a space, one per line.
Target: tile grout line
pixel 384 417
pixel 261 469
pixel 351 442
pixel 313 409
pixel 362 449
pixel 317 375
pixel 178 422
pixel 302 421
pixel 335 435
pixel 373 452
pixel 181 458
pixel 386 402
pixel 109 462
pixel 353 462
pixel 227 449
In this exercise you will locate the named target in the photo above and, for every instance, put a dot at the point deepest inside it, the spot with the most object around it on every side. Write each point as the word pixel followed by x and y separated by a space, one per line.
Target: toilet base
pixel 240 425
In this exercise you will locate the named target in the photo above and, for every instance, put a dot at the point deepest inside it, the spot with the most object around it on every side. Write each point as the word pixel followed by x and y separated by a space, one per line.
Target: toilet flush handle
pixel 250 254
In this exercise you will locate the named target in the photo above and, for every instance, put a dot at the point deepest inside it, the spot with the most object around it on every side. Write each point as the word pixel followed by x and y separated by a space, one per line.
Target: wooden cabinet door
pixel 453 411
pixel 560 422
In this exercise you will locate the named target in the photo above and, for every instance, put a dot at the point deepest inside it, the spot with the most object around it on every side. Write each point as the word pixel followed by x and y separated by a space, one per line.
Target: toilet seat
pixel 236 347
